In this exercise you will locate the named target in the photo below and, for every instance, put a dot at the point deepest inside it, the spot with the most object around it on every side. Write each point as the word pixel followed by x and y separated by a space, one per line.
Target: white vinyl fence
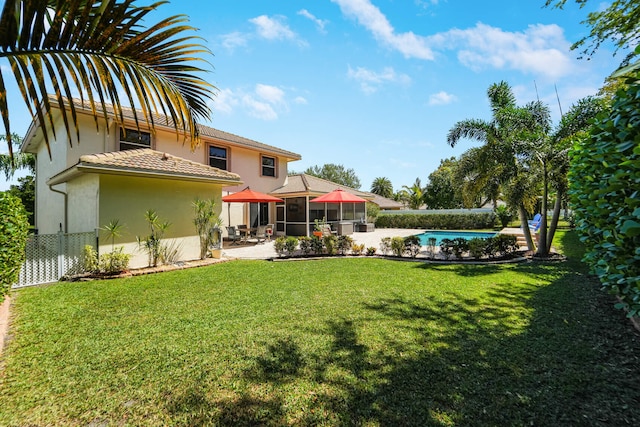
pixel 51 256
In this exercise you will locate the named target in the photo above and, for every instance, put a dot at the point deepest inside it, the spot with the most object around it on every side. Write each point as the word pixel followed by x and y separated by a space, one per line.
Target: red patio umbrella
pixel 338 196
pixel 250 196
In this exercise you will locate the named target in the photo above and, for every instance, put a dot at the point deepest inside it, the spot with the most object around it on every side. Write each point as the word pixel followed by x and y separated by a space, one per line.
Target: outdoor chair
pixel 261 233
pixel 327 231
pixel 534 224
pixel 234 234
pixel 269 232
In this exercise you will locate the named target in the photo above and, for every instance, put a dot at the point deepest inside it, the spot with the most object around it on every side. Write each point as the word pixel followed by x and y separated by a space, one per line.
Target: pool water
pixel 439 235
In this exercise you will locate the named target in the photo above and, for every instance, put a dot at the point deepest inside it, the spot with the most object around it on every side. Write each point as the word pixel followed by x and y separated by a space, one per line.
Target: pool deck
pixel 267 251
pixel 369 239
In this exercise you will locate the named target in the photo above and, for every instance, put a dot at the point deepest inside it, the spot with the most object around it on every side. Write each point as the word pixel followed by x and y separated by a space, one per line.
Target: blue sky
pixel 375 85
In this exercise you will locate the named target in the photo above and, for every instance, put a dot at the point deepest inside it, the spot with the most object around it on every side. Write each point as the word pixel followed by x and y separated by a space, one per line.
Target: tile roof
pixel 145 161
pixel 205 131
pixel 312 185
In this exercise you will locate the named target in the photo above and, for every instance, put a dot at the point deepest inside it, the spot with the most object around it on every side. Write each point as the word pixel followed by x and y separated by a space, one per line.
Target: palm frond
pixel 99 51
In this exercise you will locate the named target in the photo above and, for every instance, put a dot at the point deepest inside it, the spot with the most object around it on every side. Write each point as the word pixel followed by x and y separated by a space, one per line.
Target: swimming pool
pixel 446 234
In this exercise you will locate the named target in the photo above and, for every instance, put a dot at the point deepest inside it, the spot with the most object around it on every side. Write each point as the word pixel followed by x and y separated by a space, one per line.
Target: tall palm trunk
pixel 542 247
pixel 522 212
pixel 557 207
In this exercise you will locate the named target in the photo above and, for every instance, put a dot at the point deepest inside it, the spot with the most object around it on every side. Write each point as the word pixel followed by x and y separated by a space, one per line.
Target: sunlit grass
pixel 331 342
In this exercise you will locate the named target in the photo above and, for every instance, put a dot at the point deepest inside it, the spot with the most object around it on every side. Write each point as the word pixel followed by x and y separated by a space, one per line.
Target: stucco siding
pixel 82 203
pixel 127 199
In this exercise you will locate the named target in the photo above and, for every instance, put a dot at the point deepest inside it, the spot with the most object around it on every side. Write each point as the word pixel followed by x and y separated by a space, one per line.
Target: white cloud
pixel 370 81
pixel 271 94
pixel 320 23
pixel 233 40
pixel 540 49
pixel 258 109
pixel 442 98
pixel 300 100
pixel 265 102
pixel 370 17
pixel 274 28
pixel 224 102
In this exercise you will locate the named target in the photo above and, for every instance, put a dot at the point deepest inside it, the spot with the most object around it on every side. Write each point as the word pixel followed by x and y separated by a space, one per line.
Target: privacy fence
pixel 52 256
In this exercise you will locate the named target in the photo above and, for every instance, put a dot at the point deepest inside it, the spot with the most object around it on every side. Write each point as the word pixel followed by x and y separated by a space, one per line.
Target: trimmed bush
pixel 412 245
pixel 344 244
pixel 14 230
pixel 397 246
pixel 385 245
pixel 290 245
pixel 305 244
pixel 279 245
pixel 604 181
pixel 448 221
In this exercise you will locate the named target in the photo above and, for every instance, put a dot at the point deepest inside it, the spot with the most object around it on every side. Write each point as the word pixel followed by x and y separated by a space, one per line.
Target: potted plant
pixel 319 227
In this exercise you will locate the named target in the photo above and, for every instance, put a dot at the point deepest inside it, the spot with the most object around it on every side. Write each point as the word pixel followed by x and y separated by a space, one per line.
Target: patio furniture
pixel 365 227
pixel 269 231
pixel 244 232
pixel 261 233
pixel 534 224
pixel 234 234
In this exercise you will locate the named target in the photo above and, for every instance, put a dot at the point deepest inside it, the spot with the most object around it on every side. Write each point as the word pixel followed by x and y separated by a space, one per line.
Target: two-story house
pixel 119 172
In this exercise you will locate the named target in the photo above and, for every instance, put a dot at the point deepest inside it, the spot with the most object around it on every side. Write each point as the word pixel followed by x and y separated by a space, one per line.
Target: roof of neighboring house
pixel 385 203
pixel 145 162
pixel 303 185
pixel 163 121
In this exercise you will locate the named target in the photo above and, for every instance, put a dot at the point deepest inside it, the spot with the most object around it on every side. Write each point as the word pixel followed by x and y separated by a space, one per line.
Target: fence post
pixel 60 254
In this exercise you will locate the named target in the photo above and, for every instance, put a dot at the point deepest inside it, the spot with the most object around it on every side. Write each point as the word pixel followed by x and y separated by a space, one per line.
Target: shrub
pixel 14 230
pixel 371 251
pixel 385 245
pixel 279 245
pixel 317 245
pixel 604 176
pixel 460 247
pixel 344 244
pixel 504 215
pixel 90 259
pixel 114 262
pixel 330 244
pixel 290 245
pixel 206 220
pixel 397 246
pixel 446 248
pixel 305 244
pixel 412 245
pixel 152 243
pixel 439 221
pixel 505 244
pixel 477 247
pixel 431 247
pixel 357 249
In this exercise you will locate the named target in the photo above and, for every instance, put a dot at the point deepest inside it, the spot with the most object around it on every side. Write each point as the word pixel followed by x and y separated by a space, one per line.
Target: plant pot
pixel 317 233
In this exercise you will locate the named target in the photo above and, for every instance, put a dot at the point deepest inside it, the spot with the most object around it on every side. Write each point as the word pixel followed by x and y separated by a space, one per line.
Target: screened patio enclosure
pixel 296 215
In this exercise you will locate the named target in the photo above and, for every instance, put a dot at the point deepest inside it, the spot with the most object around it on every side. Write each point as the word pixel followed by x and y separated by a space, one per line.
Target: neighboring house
pixel 386 204
pixel 296 215
pixel 119 172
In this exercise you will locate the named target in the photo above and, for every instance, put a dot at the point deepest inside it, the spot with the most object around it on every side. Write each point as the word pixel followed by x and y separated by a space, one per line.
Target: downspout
pixel 65 205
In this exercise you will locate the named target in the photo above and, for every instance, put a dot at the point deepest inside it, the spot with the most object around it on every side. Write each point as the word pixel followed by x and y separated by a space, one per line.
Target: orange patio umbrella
pixel 248 196
pixel 338 196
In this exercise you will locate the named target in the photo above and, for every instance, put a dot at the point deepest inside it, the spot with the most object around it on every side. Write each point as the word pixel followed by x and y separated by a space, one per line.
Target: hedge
pixel 448 221
pixel 14 230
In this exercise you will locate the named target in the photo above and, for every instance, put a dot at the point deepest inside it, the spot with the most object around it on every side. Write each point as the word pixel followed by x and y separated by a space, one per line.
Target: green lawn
pixel 339 341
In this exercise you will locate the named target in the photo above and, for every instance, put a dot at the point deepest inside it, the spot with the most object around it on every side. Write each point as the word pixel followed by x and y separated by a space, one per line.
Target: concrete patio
pixel 266 250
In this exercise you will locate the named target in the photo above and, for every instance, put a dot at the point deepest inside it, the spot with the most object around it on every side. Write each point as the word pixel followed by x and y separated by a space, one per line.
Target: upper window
pixel 218 157
pixel 130 139
pixel 268 166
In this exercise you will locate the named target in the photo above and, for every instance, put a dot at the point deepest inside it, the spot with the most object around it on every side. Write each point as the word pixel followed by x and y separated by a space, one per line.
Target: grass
pixel 338 341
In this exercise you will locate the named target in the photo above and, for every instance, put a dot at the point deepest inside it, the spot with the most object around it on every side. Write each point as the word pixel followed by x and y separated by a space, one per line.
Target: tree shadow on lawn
pixel 572 364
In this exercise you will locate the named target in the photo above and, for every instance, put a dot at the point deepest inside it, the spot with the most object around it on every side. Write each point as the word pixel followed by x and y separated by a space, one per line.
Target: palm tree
pixel 382 187
pixel 415 194
pixel 99 49
pixel 497 163
pixel 10 164
pixel 550 151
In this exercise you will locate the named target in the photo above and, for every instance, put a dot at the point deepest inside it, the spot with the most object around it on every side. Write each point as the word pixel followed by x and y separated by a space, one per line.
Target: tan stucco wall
pixel 128 198
pixel 83 203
